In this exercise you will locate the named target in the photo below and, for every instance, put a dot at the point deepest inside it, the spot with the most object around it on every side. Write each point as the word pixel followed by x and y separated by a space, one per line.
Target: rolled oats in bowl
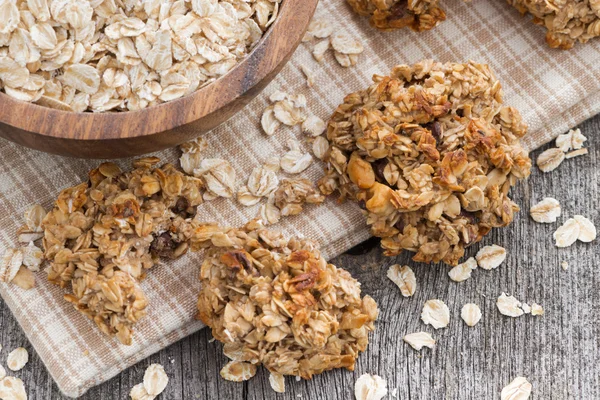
pixel 277 302
pixel 430 152
pixel 111 55
pixel 387 15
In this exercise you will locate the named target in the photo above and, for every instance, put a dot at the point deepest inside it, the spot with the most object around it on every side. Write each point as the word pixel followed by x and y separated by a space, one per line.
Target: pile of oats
pixel 430 152
pixel 345 49
pixel 389 15
pixel 103 235
pixel 566 21
pixel 568 145
pixel 277 302
pixel 119 56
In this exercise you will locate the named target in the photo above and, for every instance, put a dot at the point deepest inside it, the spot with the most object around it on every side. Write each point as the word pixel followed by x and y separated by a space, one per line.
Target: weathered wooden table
pixel 559 353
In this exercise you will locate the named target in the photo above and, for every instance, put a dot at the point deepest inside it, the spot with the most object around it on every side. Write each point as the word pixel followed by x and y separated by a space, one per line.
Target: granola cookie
pixel 102 235
pixel 387 15
pixel 277 302
pixel 566 21
pixel 430 152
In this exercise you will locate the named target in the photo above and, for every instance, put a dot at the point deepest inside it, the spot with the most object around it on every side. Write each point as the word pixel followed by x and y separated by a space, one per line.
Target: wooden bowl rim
pixel 19 112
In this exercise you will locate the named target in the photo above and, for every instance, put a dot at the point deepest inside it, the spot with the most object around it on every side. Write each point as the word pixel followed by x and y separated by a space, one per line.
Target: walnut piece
pixel 277 302
pixel 430 164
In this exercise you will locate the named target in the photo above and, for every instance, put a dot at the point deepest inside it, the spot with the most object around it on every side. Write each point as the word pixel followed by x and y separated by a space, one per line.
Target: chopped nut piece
pixel 404 278
pixel 471 314
pixel 572 140
pixel 509 306
pixel 397 14
pixel 419 340
pixel 138 392
pixel 536 309
pixel 313 126
pixel 587 230
pixel 25 279
pixel 518 389
pixel 567 233
pixel 462 272
pixel 550 159
pixel 370 387
pixel 155 379
pixel 17 359
pixel 490 257
pixel 576 153
pixel 546 211
pixel 284 289
pixel 277 382
pixel 237 371
pixel 434 178
pixel 436 314
pixel 12 388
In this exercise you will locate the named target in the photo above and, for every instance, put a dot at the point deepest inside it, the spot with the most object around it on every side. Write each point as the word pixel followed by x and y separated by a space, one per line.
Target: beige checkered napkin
pixel 553 89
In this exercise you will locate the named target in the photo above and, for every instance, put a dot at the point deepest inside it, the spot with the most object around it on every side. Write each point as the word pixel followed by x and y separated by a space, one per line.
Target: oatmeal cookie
pixel 430 152
pixel 102 235
pixel 277 302
pixel 566 21
pixel 387 15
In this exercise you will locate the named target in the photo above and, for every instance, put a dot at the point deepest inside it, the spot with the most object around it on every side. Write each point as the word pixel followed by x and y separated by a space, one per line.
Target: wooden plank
pixel 557 352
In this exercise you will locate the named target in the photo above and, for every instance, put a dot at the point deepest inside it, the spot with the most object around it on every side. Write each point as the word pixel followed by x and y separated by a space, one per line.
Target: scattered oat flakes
pixel 404 278
pixel 564 265
pixel 320 49
pixel 576 153
pixel 462 272
pixel 490 257
pixel 25 279
pixel 546 211
pixel 313 126
pixel 219 176
pixel 277 382
pixel 245 198
pixel 238 371
pixel 567 233
pixel 319 28
pixel 309 74
pixel 419 340
pixel 536 309
pixel 12 388
pixel 138 392
pixel 471 314
pixel 435 313
pixel 32 257
pixel 346 45
pixel 269 213
pixel 17 359
pixel 11 261
pixel 572 140
pixel 273 163
pixel 262 182
pixel 155 379
pixel 268 121
pixel 370 387
pixel 518 389
pixel 320 147
pixel 509 306
pixel 587 230
pixel 346 60
pixel 34 215
pixel 550 159
pixel 295 161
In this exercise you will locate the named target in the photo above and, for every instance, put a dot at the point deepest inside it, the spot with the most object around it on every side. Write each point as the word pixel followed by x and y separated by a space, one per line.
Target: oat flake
pixel 471 314
pixel 550 159
pixel 462 272
pixel 10 263
pixel 419 340
pixel 370 387
pixel 277 382
pixel 404 278
pixel 518 389
pixel 138 392
pixel 536 309
pixel 12 388
pixel 155 379
pixel 587 230
pixel 436 314
pixel 268 121
pixel 17 359
pixel 567 233
pixel 295 161
pixel 546 211
pixel 313 126
pixel 509 306
pixel 490 257
pixel 237 371
pixel 572 140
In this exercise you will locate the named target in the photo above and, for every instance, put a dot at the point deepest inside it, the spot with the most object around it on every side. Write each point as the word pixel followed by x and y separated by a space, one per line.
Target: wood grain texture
pixel 122 134
pixel 557 352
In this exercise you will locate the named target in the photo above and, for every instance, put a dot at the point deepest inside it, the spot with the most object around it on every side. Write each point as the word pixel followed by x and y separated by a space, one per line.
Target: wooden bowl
pixel 122 134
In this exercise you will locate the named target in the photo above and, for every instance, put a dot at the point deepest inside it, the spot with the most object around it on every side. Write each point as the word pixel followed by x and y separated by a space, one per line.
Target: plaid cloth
pixel 553 89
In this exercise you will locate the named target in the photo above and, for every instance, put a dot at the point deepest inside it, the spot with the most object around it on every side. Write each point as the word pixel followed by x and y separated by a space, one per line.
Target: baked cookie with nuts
pixel 276 301
pixel 566 21
pixel 430 152
pixel 387 15
pixel 104 234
